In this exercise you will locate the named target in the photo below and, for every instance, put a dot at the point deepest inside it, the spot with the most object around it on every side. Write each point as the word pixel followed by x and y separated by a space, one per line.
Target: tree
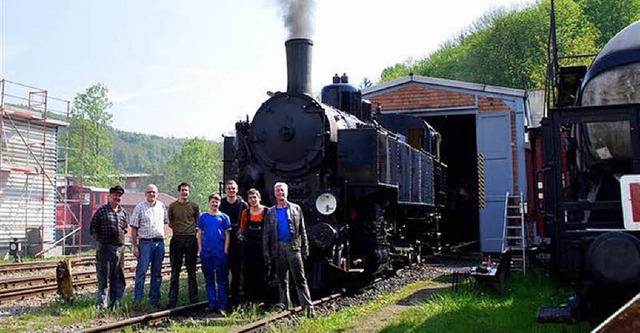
pixel 199 163
pixel 508 47
pixel 610 16
pixel 90 121
pixel 395 71
pixel 365 83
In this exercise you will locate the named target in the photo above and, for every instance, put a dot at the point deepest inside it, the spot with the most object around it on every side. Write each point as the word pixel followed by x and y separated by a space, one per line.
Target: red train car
pixel 73 215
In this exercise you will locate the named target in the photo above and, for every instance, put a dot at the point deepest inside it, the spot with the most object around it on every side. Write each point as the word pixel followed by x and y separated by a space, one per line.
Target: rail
pixel 44 290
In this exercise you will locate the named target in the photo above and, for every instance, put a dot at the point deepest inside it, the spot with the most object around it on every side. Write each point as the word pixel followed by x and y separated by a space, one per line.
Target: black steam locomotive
pixel 592 181
pixel 371 189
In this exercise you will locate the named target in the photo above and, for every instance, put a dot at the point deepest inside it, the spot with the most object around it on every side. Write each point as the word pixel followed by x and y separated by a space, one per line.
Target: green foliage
pixel 199 162
pixel 395 71
pixel 509 47
pixel 142 153
pixel 610 16
pixel 89 131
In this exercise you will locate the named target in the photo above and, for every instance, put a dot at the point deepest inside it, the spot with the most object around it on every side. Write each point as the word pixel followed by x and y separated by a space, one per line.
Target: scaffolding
pixel 32 163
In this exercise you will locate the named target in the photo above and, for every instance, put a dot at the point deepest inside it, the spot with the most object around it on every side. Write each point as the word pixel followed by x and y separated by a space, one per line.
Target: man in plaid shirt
pixel 108 226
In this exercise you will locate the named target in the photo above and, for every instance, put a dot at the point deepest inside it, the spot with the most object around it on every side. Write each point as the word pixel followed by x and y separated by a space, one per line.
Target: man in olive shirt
pixel 183 215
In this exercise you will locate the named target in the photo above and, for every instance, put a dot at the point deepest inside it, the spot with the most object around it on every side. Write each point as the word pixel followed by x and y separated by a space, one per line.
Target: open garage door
pixel 458 151
pixel 494 148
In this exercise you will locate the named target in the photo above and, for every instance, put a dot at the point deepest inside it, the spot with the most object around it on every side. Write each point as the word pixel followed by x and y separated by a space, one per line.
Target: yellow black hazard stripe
pixel 481 199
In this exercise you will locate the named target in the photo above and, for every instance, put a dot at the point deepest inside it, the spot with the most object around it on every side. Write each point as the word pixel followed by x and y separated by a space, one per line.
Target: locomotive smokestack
pixel 299 65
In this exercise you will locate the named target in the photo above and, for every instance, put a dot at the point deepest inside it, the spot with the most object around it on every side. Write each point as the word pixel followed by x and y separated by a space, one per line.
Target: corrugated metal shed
pixel 28 163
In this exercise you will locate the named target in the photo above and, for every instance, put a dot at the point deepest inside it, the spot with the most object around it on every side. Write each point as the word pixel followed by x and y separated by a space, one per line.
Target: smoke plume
pixel 298 17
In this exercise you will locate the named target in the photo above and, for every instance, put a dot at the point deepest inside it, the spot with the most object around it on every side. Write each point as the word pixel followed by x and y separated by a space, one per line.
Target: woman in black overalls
pixel 250 233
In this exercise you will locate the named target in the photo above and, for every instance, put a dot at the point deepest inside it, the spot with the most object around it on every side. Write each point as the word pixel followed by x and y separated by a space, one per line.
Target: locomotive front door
pixel 495 176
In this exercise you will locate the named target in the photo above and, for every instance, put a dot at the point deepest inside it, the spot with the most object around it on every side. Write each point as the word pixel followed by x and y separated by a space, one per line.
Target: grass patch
pixel 342 320
pixel 447 311
pixel 209 323
pixel 486 311
pixel 82 312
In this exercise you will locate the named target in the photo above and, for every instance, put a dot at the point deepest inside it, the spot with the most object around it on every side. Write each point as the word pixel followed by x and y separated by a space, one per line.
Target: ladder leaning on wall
pixel 513 232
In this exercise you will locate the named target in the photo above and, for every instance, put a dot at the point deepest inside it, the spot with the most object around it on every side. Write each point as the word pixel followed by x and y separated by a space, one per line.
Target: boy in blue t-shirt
pixel 213 229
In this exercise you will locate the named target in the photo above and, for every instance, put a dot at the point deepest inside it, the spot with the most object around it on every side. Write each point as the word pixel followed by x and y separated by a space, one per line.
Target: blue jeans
pixel 109 269
pixel 215 272
pixel 151 252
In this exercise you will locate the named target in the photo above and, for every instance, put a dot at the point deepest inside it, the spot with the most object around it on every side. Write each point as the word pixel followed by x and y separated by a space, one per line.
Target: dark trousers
pixel 290 261
pixel 183 246
pixel 234 260
pixel 253 269
pixel 109 269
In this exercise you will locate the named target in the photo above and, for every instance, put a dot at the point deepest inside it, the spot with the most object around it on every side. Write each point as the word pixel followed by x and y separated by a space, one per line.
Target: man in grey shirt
pixel 285 241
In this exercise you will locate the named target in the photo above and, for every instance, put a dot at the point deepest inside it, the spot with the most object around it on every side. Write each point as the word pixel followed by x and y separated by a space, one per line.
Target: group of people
pixel 243 240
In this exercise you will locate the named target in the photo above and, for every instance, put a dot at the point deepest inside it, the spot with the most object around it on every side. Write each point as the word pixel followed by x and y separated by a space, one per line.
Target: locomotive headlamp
pixel 326 203
pixel 14 247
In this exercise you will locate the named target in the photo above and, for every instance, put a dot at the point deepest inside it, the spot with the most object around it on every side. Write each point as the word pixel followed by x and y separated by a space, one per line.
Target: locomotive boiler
pixel 371 194
pixel 592 184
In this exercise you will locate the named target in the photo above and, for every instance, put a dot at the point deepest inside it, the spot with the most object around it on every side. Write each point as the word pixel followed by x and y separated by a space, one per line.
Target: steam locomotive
pixel 371 186
pixel 592 181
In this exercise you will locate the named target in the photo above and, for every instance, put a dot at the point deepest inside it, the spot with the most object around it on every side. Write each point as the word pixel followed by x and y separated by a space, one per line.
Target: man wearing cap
pixel 147 242
pixel 108 226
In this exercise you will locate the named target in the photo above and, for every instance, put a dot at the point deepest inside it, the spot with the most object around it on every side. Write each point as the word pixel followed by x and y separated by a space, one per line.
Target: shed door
pixel 494 142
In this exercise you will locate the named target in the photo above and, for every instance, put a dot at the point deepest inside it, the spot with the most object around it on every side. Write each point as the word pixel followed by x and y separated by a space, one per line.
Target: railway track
pixel 162 319
pixel 35 266
pixel 261 325
pixel 256 326
pixel 41 286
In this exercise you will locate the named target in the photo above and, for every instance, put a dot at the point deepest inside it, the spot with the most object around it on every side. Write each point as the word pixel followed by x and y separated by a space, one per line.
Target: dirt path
pixel 375 322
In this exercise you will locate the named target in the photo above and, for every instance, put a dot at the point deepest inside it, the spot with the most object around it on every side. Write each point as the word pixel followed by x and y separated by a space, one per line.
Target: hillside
pixel 137 153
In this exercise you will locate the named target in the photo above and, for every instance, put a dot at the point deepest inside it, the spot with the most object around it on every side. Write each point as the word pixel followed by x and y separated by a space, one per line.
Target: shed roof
pixel 444 83
pixel 134 198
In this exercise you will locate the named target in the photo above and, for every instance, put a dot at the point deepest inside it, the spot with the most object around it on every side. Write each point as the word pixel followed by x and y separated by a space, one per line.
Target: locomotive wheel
pixel 614 260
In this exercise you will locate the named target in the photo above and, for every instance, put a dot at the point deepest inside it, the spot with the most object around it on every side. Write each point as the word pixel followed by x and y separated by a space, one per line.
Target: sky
pixel 192 68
